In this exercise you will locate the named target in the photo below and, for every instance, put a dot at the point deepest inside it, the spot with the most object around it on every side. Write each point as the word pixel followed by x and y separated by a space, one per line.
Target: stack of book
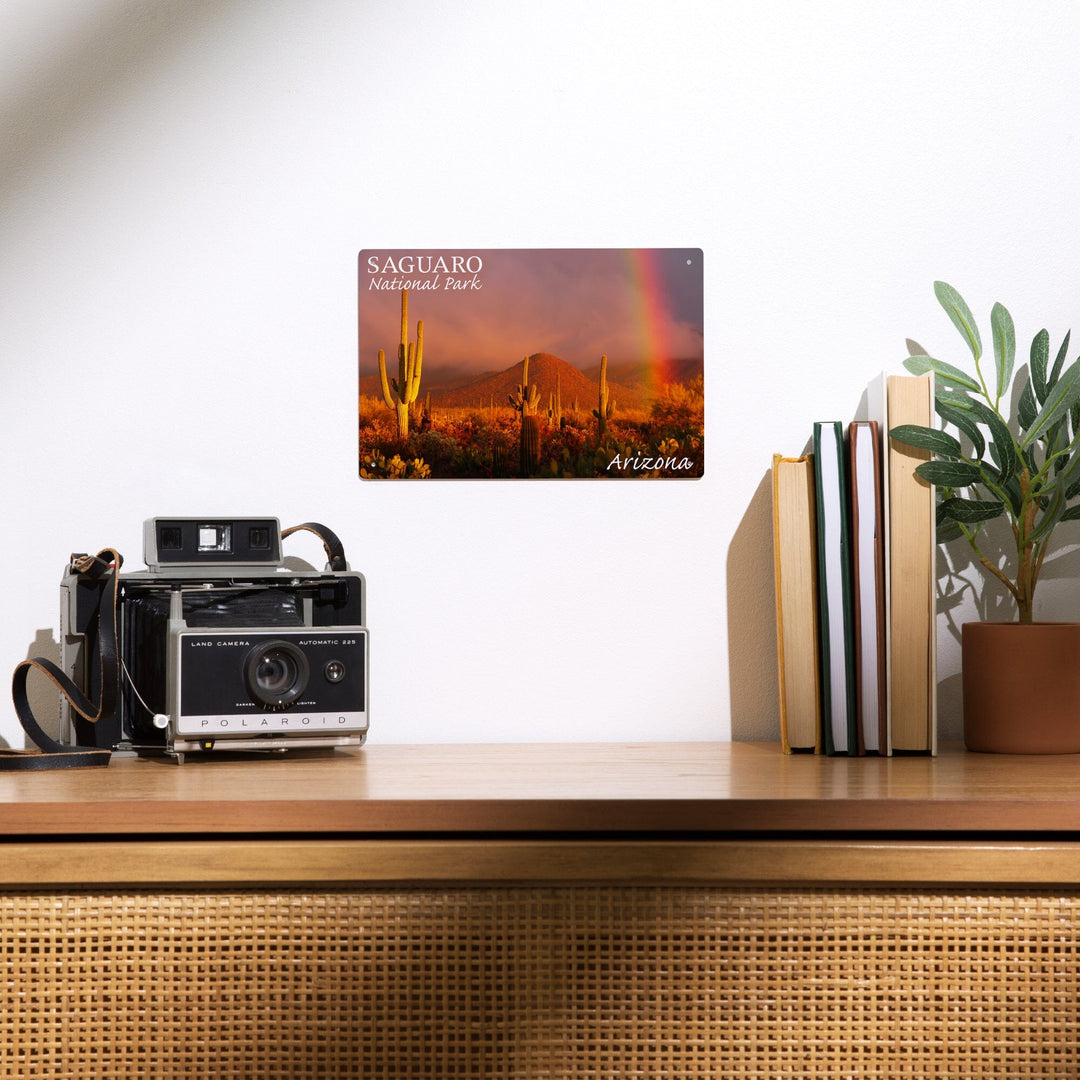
pixel 855 551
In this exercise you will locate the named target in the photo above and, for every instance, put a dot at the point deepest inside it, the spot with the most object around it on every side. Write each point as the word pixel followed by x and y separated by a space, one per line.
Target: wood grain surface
pixel 366 863
pixel 717 788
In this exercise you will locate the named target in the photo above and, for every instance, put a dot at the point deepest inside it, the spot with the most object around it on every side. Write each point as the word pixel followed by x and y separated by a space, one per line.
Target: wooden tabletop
pixel 695 788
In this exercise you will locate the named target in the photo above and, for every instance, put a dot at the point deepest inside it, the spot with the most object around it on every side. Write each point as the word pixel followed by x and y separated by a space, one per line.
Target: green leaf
pixel 1072 514
pixel 1057 438
pixel 1060 361
pixel 957 398
pixel 1027 410
pixel 1002 447
pixel 952 474
pixel 1046 524
pixel 948 531
pixel 1068 479
pixel 1059 399
pixel 991 477
pixel 1040 357
pixel 1027 455
pixel 1012 490
pixel 961 316
pixel 962 420
pixel 1061 463
pixel 926 438
pixel 946 373
pixel 1001 326
pixel 971 511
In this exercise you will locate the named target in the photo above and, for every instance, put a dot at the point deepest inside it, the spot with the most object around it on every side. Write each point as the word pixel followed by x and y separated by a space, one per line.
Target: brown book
pixel 912 562
pixel 868 580
pixel 794 555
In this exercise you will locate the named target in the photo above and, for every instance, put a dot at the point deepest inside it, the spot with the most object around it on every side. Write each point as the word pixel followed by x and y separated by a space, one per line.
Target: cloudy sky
pixel 640 305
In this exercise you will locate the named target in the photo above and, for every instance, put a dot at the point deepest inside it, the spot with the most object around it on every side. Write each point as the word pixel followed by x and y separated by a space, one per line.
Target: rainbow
pixel 650 306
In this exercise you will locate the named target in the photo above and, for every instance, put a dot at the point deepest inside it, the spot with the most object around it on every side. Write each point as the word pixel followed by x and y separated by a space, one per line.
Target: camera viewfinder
pixel 259 538
pixel 188 543
pixel 172 538
pixel 215 538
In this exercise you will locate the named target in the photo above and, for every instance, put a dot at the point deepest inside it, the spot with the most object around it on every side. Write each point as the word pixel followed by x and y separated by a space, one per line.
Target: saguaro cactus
pixel 410 358
pixel 530 445
pixel 606 403
pixel 525 401
pixel 526 397
pixel 555 415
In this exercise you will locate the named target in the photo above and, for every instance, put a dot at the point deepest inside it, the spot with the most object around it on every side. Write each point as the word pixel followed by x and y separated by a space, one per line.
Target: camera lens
pixel 276 673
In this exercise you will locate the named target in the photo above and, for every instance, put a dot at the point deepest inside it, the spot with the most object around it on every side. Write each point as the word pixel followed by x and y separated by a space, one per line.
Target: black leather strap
pixel 335 551
pixel 52 754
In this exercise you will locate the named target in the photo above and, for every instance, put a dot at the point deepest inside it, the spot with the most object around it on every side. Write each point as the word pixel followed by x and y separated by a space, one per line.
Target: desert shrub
pixel 438 447
pixel 679 411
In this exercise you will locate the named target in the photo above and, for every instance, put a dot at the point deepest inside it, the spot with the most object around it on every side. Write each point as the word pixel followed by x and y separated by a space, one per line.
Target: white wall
pixel 184 188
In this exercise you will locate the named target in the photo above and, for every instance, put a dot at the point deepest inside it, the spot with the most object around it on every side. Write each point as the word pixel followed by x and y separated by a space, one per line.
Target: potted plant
pixel 1021 680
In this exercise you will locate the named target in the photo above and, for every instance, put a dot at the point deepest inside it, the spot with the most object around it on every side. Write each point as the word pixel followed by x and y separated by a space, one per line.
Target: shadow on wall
pixel 42 695
pixel 101 55
pixel 755 708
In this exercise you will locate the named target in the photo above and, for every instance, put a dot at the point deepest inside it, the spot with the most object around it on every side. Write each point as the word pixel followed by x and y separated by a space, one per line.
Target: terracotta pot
pixel 1022 687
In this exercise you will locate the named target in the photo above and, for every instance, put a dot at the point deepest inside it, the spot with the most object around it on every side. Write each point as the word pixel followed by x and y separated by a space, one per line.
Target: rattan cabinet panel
pixel 540 982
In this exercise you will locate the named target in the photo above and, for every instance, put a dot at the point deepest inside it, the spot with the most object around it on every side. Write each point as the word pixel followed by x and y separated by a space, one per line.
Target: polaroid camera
pixel 219 645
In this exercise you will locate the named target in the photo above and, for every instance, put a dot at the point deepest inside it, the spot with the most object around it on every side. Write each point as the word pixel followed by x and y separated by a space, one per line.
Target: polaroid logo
pixel 271 722
pixel 224 722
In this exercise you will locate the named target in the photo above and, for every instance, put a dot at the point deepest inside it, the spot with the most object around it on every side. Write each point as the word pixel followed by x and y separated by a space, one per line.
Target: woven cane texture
pixel 539 982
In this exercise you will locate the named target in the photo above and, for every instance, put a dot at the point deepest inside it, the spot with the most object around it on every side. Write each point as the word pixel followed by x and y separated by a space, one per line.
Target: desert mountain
pixel 546 372
pixel 435 377
pixel 643 376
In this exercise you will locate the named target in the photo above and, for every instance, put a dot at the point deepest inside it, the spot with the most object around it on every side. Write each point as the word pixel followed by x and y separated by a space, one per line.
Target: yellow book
pixel 794 555
pixel 912 559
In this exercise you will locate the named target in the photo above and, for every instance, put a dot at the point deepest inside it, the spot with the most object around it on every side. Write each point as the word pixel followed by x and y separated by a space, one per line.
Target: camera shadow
pixel 43 698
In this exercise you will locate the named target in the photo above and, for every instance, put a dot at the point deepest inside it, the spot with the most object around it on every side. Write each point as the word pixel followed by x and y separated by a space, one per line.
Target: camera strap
pixel 335 550
pixel 50 753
